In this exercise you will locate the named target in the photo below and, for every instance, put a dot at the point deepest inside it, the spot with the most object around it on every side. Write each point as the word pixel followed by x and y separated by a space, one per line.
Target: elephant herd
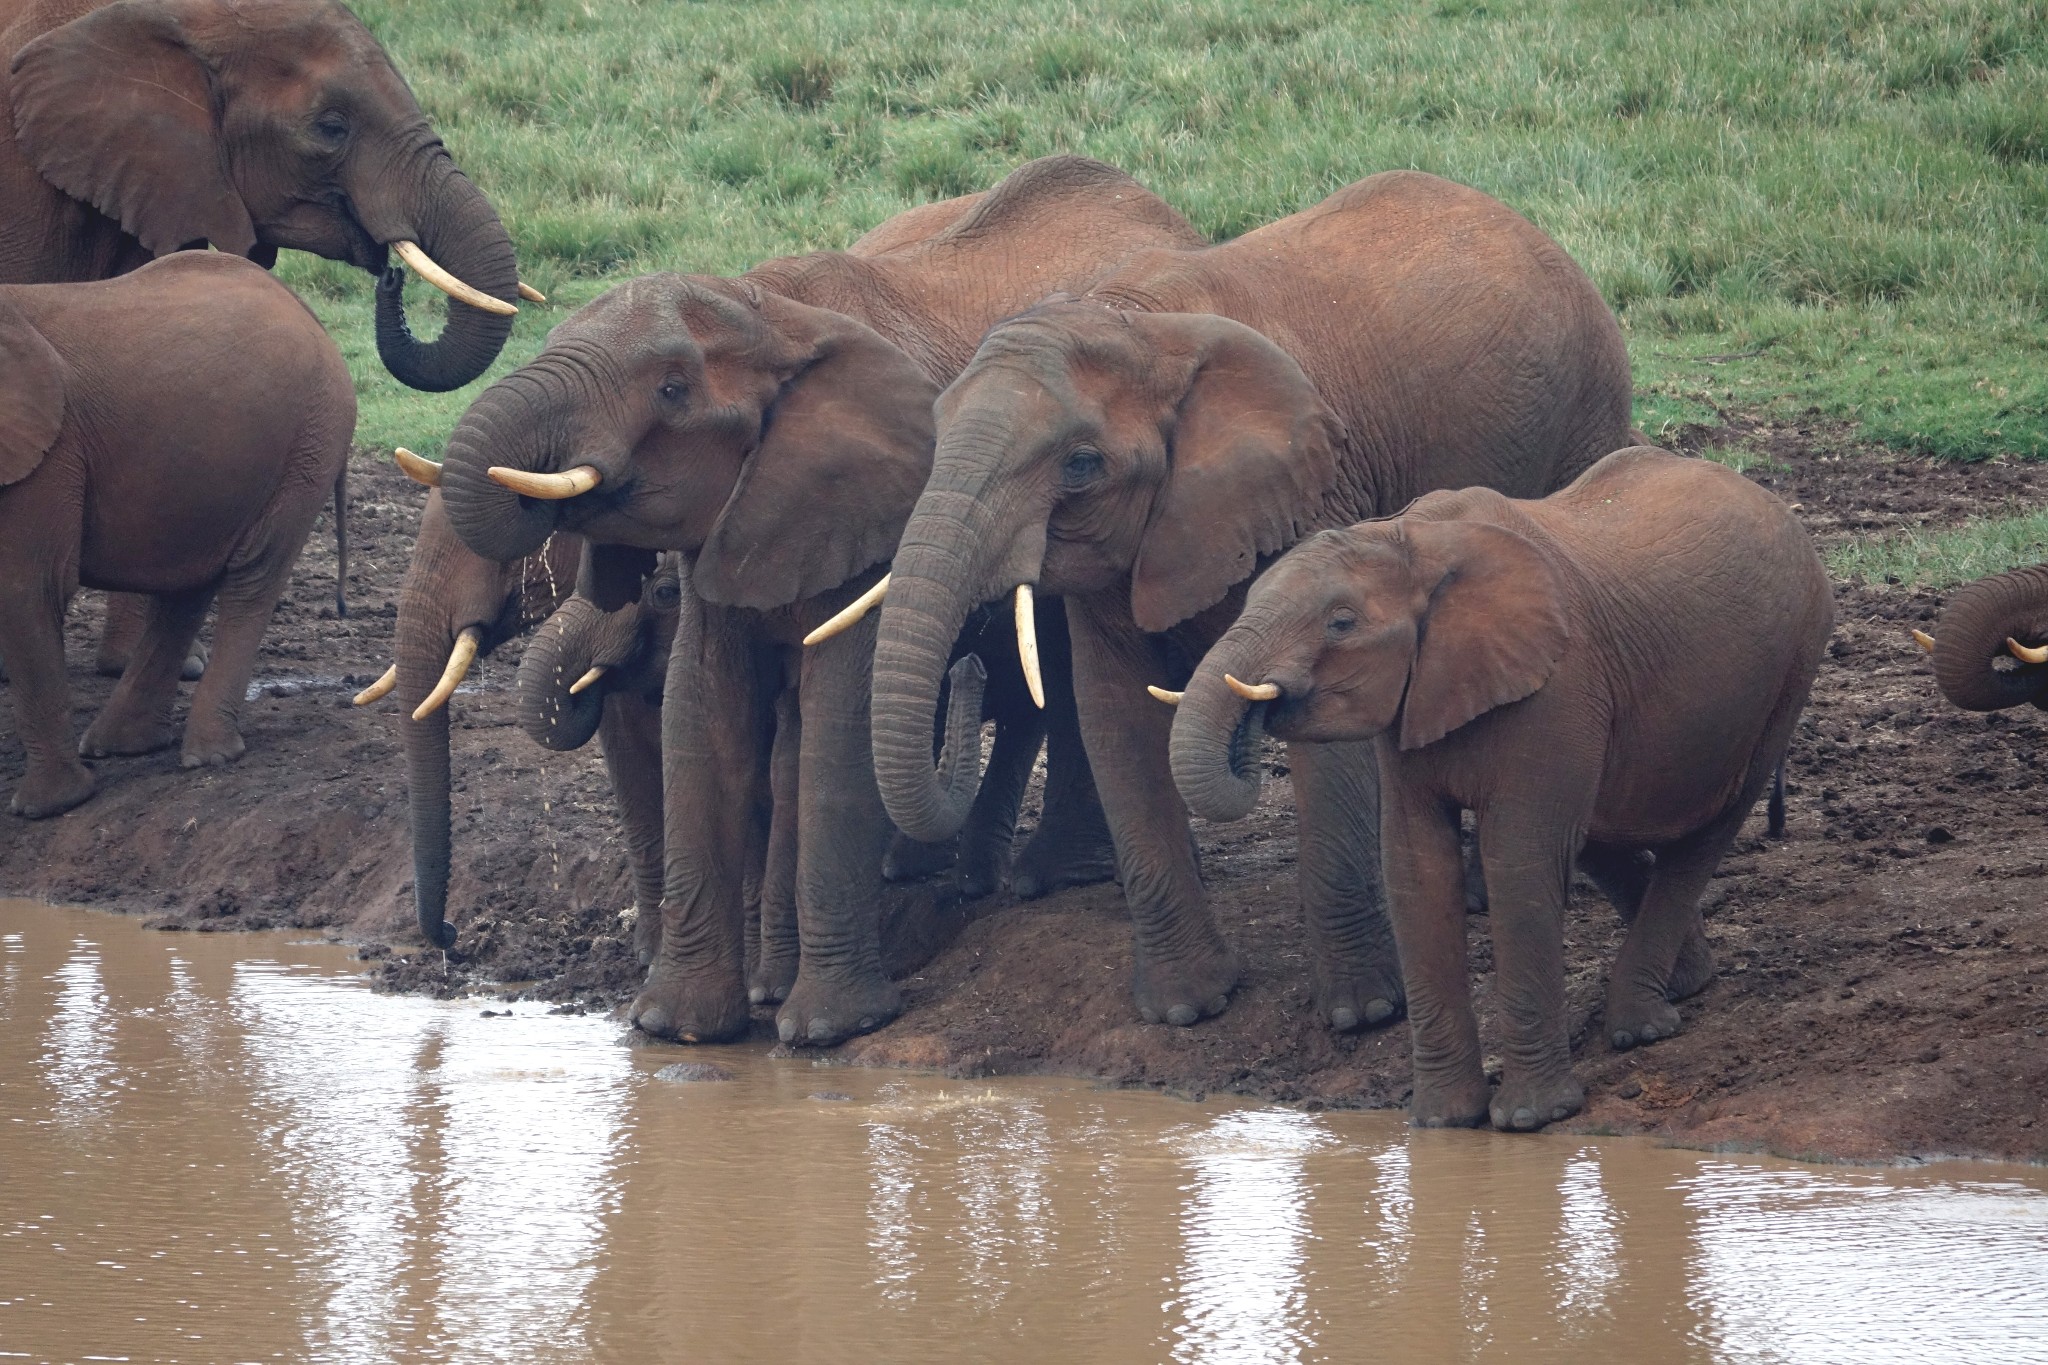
pixel 1361 480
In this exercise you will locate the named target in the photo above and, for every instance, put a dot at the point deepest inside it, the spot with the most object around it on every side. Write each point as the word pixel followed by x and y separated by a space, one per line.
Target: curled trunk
pixel 1216 734
pixel 1969 641
pixel 555 658
pixel 460 230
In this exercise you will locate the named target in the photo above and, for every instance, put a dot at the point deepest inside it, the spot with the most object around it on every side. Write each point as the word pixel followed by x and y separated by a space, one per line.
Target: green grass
pixel 1939 559
pixel 1795 206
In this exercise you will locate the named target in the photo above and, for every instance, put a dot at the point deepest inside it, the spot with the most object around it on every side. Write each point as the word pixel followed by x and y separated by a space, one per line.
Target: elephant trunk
pixel 1216 732
pixel 1971 636
pixel 422 652
pixel 555 658
pixel 510 424
pixel 459 229
pixel 934 582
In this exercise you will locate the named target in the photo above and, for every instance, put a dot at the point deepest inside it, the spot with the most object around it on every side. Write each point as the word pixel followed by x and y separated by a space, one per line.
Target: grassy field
pixel 1794 206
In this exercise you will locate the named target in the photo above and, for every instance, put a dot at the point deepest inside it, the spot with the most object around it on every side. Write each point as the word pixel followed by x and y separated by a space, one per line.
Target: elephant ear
pixel 845 448
pixel 116 108
pixel 1251 458
pixel 31 395
pixel 1493 631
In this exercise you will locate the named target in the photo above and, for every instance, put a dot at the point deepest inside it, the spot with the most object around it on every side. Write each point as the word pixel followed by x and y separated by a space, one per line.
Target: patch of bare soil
pixel 1883 970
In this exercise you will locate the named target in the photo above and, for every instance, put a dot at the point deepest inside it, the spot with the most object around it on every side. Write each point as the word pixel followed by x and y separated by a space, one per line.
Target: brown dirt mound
pixel 1883 983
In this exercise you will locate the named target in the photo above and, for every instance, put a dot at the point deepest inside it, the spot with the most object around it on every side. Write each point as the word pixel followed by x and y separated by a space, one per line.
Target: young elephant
pixel 1610 670
pixel 171 432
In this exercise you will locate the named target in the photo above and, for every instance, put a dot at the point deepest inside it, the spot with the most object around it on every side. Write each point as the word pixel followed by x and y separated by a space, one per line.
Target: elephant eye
pixel 668 594
pixel 331 127
pixel 1081 468
pixel 672 390
pixel 1343 623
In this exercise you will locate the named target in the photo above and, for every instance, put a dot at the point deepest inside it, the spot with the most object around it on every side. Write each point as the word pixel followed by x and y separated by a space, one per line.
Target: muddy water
pixel 220 1148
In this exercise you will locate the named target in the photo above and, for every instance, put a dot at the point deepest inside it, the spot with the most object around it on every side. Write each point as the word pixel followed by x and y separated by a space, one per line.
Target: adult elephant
pixel 777 428
pixel 172 432
pixel 1143 449
pixel 454 607
pixel 1983 660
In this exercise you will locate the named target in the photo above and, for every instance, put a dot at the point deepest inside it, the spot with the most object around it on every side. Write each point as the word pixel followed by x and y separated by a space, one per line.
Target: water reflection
pixel 225 1148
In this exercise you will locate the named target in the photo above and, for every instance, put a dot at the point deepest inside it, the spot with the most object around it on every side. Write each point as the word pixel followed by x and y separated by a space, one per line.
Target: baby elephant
pixel 1609 672
pixel 171 432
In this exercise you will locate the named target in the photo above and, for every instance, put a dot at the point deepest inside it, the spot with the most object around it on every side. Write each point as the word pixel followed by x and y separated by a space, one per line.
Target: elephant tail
pixel 1775 811
pixel 341 541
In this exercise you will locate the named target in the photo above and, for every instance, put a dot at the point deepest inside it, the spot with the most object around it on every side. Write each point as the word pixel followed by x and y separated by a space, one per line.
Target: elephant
pixel 1608 675
pixel 173 432
pixel 1987 622
pixel 1141 450
pixel 454 607
pixel 776 428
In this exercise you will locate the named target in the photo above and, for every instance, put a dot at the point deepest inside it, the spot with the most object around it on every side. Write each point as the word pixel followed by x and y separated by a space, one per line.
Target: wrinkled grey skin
pixel 1973 665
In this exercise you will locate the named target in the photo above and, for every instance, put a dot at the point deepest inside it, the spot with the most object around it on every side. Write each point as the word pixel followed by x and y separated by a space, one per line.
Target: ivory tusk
pixel 379 689
pixel 547 487
pixel 2036 655
pixel 1263 692
pixel 417 468
pixel 587 679
pixel 1170 698
pixel 851 612
pixel 1924 640
pixel 1027 644
pixel 423 265
pixel 459 660
pixel 530 294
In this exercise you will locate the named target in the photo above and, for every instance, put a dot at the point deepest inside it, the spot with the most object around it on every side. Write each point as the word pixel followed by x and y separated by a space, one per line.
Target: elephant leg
pixel 1343 901
pixel 629 732
pixel 137 716
pixel 1072 844
pixel 776 965
pixel 841 988
pixel 127 613
pixel 248 595
pixel 991 826
pixel 1426 901
pixel 1529 860
pixel 1622 872
pixel 32 599
pixel 1665 955
pixel 714 749
pixel 1184 969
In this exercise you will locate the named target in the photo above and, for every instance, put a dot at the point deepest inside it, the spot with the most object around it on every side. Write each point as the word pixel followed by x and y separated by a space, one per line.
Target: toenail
pixel 1181 1015
pixel 1343 1020
pixel 1149 1016
pixel 867 1022
pixel 1525 1118
pixel 757 994
pixel 786 1030
pixel 1378 1011
pixel 821 1029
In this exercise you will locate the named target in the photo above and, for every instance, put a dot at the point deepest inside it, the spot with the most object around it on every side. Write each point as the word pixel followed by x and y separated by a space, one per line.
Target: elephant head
pixel 1083 449
pixel 1404 625
pixel 260 124
pixel 1986 644
pixel 583 654
pixel 453 607
pixel 782 445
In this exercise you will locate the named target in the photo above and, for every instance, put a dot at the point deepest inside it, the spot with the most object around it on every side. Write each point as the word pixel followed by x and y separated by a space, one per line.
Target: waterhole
pixel 227 1148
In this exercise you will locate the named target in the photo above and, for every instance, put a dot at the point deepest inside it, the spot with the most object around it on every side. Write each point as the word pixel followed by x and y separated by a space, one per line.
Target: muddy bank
pixel 1883 983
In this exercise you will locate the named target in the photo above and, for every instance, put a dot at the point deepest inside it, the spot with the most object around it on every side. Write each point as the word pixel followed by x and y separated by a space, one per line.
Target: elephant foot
pixel 773 978
pixel 689 1009
pixel 1694 969
pixel 1523 1106
pixel 123 736
pixel 1640 1018
pixel 822 1011
pixel 1183 990
pixel 1367 1000
pixel 910 861
pixel 980 867
pixel 1056 858
pixel 211 750
pixel 51 790
pixel 1449 1103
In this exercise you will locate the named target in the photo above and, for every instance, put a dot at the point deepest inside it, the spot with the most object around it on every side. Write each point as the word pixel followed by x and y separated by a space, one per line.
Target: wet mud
pixel 1882 984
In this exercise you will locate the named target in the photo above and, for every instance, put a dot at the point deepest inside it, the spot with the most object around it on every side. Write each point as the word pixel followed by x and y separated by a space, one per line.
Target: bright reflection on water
pixel 225 1148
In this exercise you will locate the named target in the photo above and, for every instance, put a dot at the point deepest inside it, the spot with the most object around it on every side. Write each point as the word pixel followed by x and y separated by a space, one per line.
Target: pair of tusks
pixel 1263 692
pixel 428 269
pixel 2031 654
pixel 1025 607
pixel 459 660
pixel 550 487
